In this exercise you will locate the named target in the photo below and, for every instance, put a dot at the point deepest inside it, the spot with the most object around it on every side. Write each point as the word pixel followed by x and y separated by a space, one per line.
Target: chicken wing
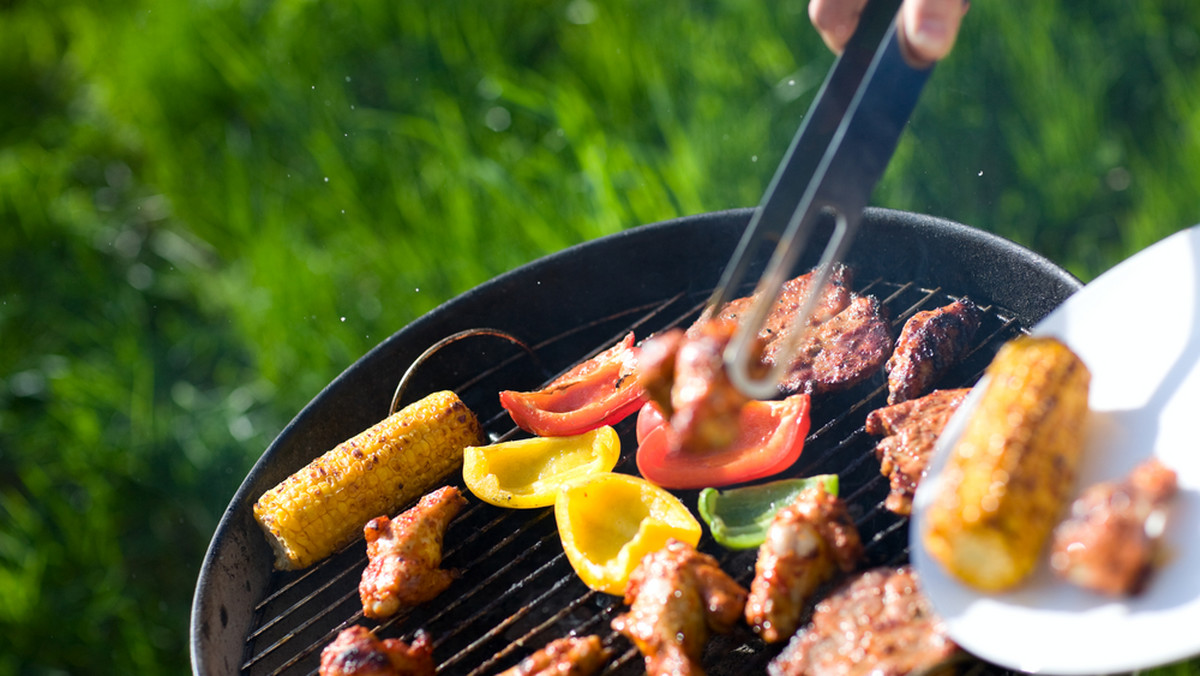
pixel 929 344
pixel 909 430
pixel 1109 543
pixel 357 652
pixel 568 656
pixel 684 374
pixel 807 544
pixel 676 597
pixel 405 554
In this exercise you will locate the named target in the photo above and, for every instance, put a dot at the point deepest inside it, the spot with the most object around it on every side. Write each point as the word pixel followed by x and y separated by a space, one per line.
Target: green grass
pixel 209 209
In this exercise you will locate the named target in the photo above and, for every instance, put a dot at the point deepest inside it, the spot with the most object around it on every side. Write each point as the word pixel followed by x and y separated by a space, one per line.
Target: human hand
pixel 928 28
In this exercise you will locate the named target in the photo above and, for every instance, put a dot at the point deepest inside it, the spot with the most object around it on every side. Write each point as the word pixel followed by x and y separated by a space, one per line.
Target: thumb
pixel 929 27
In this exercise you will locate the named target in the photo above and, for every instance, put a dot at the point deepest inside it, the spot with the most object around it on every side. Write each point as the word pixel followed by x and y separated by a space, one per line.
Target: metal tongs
pixel 837 156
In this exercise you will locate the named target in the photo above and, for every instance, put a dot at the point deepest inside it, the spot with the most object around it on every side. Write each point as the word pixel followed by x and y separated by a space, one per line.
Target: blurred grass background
pixel 209 209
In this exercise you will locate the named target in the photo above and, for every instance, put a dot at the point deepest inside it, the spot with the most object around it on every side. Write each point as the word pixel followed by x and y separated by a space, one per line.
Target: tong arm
pixel 831 167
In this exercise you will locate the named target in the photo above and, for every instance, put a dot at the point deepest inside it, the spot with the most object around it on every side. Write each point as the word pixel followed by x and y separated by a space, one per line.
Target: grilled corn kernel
pixel 1012 471
pixel 323 507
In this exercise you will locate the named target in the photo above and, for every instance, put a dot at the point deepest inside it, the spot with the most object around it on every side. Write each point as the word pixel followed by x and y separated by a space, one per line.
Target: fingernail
pixel 929 38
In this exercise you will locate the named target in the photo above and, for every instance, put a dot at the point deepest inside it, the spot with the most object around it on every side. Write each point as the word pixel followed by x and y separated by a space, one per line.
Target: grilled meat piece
pixel 930 343
pixel 841 352
pixel 847 339
pixel 677 595
pixel 568 656
pixel 684 374
pixel 836 298
pixel 405 554
pixel 807 544
pixel 1109 543
pixel 879 623
pixel 910 430
pixel 357 652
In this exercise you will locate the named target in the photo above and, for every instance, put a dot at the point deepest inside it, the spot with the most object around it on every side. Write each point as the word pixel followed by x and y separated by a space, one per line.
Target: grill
pixel 517 590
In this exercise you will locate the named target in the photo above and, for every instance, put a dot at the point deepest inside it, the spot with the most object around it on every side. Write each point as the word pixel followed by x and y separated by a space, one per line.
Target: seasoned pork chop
pixel 878 624
pixel 909 430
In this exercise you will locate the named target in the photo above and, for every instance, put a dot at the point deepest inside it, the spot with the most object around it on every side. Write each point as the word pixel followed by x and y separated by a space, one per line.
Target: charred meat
pixel 930 343
pixel 909 430
pixel 405 554
pixel 847 339
pixel 807 544
pixel 568 656
pixel 1109 543
pixel 678 595
pixel 879 623
pixel 357 652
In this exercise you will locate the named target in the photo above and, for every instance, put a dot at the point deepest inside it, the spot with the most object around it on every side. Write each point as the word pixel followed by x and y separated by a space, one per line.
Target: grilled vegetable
pixel 600 391
pixel 323 507
pixel 527 473
pixel 769 439
pixel 1012 471
pixel 739 517
pixel 608 521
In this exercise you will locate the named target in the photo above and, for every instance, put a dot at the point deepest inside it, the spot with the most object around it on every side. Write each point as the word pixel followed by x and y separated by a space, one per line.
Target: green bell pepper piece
pixel 738 517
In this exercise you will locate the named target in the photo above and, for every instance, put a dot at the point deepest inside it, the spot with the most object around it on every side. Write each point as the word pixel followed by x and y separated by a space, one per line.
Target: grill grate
pixel 517 591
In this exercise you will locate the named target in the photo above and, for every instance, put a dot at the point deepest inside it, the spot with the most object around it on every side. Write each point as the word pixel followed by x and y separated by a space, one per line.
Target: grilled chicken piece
pixel 568 656
pixel 676 597
pixel 930 343
pixel 807 544
pixel 357 652
pixel 878 624
pixel 848 336
pixel 405 554
pixel 684 374
pixel 1110 541
pixel 910 430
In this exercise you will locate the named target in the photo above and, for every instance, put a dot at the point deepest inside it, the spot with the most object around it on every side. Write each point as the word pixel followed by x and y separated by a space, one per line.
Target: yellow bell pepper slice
pixel 527 473
pixel 610 521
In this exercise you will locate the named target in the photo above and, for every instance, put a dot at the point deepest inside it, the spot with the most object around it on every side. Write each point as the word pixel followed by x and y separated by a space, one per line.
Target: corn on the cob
pixel 1012 471
pixel 322 507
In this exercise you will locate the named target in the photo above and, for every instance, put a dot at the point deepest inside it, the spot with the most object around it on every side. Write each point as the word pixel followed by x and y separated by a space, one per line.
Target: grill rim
pixel 236 571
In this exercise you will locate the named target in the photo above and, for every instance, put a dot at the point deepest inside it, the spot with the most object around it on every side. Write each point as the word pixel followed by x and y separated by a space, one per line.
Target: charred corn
pixel 1012 471
pixel 323 507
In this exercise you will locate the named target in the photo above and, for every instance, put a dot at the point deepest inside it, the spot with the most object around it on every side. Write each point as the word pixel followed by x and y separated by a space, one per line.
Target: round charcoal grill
pixel 517 590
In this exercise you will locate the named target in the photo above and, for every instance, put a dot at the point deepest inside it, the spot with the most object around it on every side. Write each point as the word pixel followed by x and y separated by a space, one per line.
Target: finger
pixel 835 20
pixel 929 27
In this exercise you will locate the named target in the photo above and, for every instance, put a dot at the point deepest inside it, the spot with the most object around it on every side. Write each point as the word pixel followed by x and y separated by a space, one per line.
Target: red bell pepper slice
pixel 600 391
pixel 770 438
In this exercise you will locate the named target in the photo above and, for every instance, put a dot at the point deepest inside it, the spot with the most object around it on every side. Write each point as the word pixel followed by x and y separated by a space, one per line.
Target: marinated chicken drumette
pixel 808 542
pixel 684 375
pixel 405 555
pixel 910 430
pixel 677 596
pixel 877 624
pixel 930 343
pixel 1109 543
pixel 568 656
pixel 357 652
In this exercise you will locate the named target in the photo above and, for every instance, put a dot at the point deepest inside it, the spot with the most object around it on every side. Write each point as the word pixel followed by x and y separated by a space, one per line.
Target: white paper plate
pixel 1137 328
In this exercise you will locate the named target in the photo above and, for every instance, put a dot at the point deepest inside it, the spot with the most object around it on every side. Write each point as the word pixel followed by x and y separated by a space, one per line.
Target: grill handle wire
pixel 838 154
